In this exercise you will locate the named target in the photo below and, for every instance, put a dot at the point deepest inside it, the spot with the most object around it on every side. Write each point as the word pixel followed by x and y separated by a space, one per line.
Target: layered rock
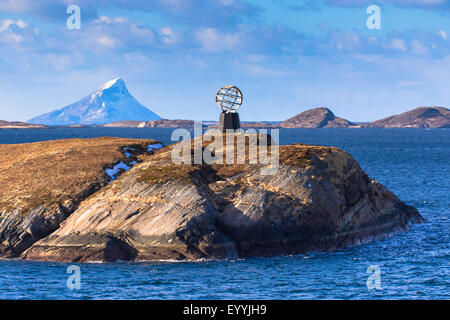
pixel 42 183
pixel 319 200
pixel 422 117
pixel 316 118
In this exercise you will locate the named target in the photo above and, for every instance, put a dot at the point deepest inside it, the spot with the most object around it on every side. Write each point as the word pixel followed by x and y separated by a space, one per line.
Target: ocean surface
pixel 413 163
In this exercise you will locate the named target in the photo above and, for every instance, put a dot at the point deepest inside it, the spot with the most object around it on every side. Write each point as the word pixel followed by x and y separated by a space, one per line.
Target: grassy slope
pixel 60 172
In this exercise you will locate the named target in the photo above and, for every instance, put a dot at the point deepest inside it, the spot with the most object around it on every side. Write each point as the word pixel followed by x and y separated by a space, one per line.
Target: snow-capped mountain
pixel 111 102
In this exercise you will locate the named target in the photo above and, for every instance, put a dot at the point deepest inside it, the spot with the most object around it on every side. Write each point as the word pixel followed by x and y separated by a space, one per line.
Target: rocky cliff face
pixel 423 117
pixel 43 183
pixel 319 200
pixel 316 118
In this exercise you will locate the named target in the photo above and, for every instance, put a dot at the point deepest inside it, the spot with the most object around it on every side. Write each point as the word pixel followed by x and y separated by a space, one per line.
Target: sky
pixel 286 56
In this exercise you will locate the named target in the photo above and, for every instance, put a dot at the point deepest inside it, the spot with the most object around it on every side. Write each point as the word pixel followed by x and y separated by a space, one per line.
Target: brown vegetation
pixel 61 172
pixel 160 168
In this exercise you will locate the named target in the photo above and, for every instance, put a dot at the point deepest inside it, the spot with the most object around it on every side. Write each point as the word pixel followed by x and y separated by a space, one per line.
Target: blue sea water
pixel 413 163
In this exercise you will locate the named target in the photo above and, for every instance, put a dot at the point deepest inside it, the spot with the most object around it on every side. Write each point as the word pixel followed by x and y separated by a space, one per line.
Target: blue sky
pixel 286 56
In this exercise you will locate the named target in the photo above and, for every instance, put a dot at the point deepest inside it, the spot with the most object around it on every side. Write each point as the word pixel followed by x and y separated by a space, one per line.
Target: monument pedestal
pixel 229 121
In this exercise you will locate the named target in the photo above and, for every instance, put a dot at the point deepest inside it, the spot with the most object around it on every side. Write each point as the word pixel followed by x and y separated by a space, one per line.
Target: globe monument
pixel 229 99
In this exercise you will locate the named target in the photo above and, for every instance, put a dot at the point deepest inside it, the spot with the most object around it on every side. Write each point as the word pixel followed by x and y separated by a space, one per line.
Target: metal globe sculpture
pixel 229 99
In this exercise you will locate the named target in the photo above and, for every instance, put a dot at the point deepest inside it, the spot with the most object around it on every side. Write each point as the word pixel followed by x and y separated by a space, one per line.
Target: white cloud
pixel 419 2
pixel 346 41
pixel 408 84
pixel 418 47
pixel 7 33
pixel 6 23
pixel 443 34
pixel 15 6
pixel 114 32
pixel 226 2
pixel 175 5
pixel 213 41
pixel 140 31
pixel 398 44
pixel 106 19
pixel 415 3
pixel 168 36
pixel 107 42
pixel 253 69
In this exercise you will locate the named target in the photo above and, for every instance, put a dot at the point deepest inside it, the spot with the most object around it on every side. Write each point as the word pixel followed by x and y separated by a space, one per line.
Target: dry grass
pixel 300 155
pixel 160 167
pixel 60 172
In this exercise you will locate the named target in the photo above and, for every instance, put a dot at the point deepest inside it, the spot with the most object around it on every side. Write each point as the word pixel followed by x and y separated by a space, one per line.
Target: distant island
pixel 422 117
pixel 316 118
pixel 20 125
pixel 111 105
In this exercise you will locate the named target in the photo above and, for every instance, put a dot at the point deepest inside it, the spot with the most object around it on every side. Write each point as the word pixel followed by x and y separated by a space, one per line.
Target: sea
pixel 413 163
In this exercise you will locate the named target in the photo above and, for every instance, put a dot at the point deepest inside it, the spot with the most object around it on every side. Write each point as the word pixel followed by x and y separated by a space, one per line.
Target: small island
pixel 133 203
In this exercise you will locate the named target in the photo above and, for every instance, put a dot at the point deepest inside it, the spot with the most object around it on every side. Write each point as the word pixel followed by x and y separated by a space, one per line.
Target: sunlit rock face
pixel 316 118
pixel 42 183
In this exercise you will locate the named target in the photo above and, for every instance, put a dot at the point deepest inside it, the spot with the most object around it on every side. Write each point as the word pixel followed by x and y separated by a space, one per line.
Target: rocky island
pixel 316 118
pixel 320 200
pixel 422 117
pixel 20 125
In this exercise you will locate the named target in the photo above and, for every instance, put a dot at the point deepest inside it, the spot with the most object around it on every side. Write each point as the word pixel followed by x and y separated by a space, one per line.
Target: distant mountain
pixel 422 117
pixel 111 102
pixel 316 118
